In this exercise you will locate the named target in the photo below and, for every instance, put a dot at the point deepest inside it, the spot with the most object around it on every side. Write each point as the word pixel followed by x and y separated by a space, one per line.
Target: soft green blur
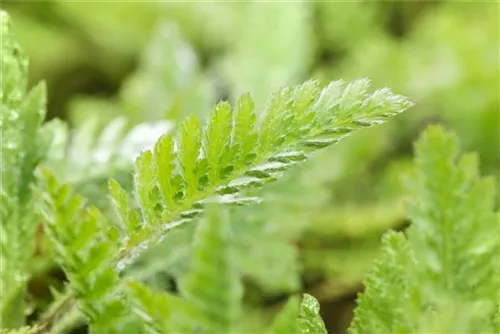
pixel 319 229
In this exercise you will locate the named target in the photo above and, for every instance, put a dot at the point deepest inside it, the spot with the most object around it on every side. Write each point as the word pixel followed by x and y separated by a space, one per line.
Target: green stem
pixel 56 311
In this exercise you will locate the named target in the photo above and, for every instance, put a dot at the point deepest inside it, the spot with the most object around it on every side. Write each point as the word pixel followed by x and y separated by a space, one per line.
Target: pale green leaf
pixel 190 146
pixel 217 139
pixel 22 146
pixel 160 310
pixel 439 279
pixel 83 249
pixel 286 322
pixel 145 183
pixel 245 136
pixel 165 164
pixel 213 285
pixel 216 162
pixel 310 321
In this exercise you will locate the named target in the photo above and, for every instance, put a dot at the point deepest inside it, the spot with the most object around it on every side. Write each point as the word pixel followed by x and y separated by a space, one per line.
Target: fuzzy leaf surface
pixel 445 275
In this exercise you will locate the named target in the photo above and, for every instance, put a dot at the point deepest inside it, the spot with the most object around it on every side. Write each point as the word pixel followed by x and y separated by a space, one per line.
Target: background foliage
pixel 319 229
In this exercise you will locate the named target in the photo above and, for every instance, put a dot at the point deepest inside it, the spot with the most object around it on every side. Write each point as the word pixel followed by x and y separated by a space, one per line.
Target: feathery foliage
pixel 216 162
pixel 213 286
pixel 23 146
pixel 85 244
pixel 86 157
pixel 84 154
pixel 444 276
pixel 393 43
pixel 211 292
pixel 213 163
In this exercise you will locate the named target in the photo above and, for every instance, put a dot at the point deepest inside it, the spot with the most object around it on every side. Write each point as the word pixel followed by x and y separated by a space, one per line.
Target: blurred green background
pixel 319 229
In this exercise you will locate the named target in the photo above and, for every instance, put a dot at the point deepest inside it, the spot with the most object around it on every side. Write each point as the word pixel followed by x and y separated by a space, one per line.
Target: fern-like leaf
pixel 445 277
pixel 213 286
pixel 211 292
pixel 216 162
pixel 84 244
pixel 206 164
pixel 23 145
pixel 87 156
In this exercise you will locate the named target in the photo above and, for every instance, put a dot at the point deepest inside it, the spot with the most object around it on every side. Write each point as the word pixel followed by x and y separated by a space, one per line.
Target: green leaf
pixel 159 310
pixel 441 278
pixel 190 146
pixel 34 110
pixel 190 161
pixel 310 321
pixel 84 251
pixel 453 218
pixel 213 285
pixel 217 139
pixel 145 183
pixel 286 322
pixel 120 201
pixel 229 154
pixel 23 145
pixel 165 165
pixel 384 307
pixel 245 136
pixel 87 156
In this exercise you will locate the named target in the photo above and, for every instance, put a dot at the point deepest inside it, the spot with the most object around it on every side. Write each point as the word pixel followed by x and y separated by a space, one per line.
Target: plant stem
pixel 58 310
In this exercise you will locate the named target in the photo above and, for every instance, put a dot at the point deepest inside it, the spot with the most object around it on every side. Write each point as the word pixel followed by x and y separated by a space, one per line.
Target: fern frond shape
pixel 84 243
pixel 214 163
pixel 213 286
pixel 211 292
pixel 86 153
pixel 234 151
pixel 23 146
pixel 445 276
pixel 159 310
pixel 87 156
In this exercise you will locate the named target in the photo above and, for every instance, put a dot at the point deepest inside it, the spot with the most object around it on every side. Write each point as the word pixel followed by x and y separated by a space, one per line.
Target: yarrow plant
pixel 189 177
